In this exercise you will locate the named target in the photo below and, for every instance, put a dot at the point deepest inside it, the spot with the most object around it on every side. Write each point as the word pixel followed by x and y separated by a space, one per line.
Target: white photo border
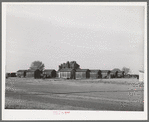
pixel 74 115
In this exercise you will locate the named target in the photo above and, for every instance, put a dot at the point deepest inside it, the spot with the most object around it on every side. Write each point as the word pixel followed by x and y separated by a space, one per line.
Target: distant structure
pixel 105 73
pixel 21 73
pixel 67 73
pixel 141 76
pixel 82 73
pixel 132 75
pixel 120 74
pixel 29 73
pixel 13 74
pixel 72 70
pixel 49 73
pixel 114 73
pixel 37 74
pixel 94 74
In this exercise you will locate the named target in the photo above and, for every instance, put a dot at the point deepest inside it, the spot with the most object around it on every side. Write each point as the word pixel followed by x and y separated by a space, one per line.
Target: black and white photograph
pixel 79 61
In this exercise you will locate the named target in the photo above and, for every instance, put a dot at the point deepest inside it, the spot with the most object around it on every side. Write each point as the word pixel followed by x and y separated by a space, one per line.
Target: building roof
pixel 13 73
pixel 95 70
pixel 21 70
pixel 115 69
pixel 30 70
pixel 48 70
pixel 82 70
pixel 131 74
pixel 105 71
pixel 65 70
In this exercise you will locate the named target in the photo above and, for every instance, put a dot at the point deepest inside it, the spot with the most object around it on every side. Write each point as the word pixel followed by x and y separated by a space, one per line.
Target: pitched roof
pixel 65 70
pixel 29 70
pixel 95 70
pixel 115 69
pixel 105 71
pixel 13 72
pixel 21 70
pixel 48 70
pixel 82 70
pixel 131 74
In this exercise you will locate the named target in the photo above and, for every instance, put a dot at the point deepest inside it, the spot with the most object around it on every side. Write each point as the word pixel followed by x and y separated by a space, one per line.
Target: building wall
pixel 94 75
pixel 20 74
pixel 112 74
pixel 29 74
pixel 58 74
pixel 53 74
pixel 13 75
pixel 50 74
pixel 82 75
pixel 37 74
pixel 65 74
pixel 73 74
pixel 106 75
pixel 120 75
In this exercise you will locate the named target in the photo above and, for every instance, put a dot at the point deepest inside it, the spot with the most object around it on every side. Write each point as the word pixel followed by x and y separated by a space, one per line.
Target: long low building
pixel 69 73
pixel 50 73
pixel 33 73
pixel 105 73
pixel 29 73
pixel 117 74
pixel 82 73
pixel 120 74
pixel 21 73
pixel 37 74
pixel 94 74
pixel 13 74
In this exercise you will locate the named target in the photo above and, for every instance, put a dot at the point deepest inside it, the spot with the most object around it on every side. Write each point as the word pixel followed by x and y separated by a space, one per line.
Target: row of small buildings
pixel 69 73
pixel 51 73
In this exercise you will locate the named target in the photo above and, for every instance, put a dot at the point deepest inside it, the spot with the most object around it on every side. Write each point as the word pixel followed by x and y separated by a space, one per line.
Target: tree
pixel 72 65
pixel 126 70
pixel 116 69
pixel 68 64
pixel 37 65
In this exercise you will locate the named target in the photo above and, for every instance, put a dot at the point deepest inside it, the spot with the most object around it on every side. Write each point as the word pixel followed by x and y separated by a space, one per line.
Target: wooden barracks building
pixel 72 73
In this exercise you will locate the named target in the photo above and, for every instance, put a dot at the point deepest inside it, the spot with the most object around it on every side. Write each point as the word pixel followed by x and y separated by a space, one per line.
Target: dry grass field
pixel 87 94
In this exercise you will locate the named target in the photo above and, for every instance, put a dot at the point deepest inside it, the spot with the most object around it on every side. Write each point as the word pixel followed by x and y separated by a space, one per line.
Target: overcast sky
pixel 95 36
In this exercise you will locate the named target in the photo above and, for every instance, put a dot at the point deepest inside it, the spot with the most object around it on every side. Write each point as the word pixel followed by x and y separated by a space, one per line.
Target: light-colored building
pixel 141 76
pixel 67 73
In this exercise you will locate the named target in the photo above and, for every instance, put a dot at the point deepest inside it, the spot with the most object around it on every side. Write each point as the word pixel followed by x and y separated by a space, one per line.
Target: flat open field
pixel 60 94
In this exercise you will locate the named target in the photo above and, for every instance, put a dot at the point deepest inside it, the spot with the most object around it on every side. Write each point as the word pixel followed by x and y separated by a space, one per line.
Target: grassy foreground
pixel 29 93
